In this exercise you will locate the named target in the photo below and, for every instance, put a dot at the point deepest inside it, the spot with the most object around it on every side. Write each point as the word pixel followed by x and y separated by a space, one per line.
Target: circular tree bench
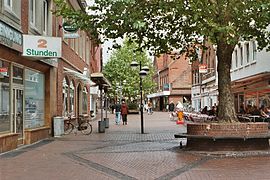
pixel 226 137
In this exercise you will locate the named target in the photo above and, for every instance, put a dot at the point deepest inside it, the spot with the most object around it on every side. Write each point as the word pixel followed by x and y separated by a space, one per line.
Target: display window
pixel 72 98
pixel 258 98
pixel 34 99
pixel 4 97
pixel 84 101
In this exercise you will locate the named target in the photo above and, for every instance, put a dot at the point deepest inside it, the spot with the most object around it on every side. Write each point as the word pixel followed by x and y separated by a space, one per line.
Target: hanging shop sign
pixel 203 68
pixel 69 27
pixel 3 71
pixel 42 46
pixel 10 37
pixel 70 30
pixel 166 87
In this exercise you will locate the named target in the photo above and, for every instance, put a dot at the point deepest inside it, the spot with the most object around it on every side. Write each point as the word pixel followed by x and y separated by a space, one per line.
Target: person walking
pixel 112 107
pixel 124 112
pixel 150 110
pixel 117 113
pixel 171 110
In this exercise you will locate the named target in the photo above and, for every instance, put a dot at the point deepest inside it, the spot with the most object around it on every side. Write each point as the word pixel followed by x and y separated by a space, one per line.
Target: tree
pixel 117 70
pixel 162 26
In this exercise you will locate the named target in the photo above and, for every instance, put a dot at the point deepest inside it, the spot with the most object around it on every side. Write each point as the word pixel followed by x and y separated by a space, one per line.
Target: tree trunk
pixel 226 108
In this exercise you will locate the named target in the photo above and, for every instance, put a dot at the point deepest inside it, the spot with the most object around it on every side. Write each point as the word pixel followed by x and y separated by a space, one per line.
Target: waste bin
pixel 106 122
pixel 101 126
pixel 58 126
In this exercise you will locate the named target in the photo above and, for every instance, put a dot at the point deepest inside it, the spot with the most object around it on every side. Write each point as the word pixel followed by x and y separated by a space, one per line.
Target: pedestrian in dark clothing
pixel 124 112
pixel 112 107
pixel 204 111
pixel 171 110
pixel 171 106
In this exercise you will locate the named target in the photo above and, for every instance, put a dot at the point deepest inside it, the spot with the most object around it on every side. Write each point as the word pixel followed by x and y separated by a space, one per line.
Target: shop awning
pixel 251 79
pixel 81 76
pixel 100 79
pixel 162 93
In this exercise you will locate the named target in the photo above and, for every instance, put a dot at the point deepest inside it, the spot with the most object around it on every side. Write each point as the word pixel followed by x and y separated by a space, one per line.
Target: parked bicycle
pixel 82 125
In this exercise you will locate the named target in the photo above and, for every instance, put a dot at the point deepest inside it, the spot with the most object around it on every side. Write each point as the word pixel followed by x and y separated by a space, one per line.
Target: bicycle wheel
pixel 68 128
pixel 86 128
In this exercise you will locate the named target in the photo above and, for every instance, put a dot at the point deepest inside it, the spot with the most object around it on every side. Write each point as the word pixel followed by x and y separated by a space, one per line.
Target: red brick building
pixel 34 86
pixel 173 78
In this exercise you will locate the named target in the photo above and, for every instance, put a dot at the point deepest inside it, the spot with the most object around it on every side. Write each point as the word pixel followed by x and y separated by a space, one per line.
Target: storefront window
pixel 264 98
pixel 251 98
pixel 84 101
pixel 65 97
pixel 72 98
pixel 17 75
pixel 34 99
pixel 4 97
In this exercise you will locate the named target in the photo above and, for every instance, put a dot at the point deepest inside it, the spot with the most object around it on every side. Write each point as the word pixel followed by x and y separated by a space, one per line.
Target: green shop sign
pixel 69 28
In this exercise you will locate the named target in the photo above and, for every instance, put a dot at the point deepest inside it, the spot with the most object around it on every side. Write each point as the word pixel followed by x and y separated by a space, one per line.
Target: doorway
pixel 17 113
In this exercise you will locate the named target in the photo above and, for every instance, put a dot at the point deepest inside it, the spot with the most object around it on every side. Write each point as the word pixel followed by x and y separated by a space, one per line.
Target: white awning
pixel 162 93
pixel 78 75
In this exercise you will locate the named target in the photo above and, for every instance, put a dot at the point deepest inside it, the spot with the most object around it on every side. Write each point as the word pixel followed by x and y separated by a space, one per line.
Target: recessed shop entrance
pixel 17 113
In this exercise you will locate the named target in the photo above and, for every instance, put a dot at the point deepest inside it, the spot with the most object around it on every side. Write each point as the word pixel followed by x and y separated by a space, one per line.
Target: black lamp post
pixel 143 72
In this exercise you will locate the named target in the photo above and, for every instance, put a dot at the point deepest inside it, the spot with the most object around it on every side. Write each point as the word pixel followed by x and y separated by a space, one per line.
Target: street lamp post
pixel 142 73
pixel 120 87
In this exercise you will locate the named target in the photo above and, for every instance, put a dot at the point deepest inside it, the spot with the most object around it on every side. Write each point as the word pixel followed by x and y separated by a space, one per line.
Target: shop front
pixel 159 100
pixel 26 97
pixel 22 105
pixel 253 91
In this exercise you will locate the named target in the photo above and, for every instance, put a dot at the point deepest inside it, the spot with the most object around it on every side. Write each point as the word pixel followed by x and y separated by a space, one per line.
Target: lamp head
pixel 146 68
pixel 142 73
pixel 134 64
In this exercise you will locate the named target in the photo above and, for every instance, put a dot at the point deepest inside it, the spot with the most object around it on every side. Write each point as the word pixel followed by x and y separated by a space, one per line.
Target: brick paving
pixel 123 153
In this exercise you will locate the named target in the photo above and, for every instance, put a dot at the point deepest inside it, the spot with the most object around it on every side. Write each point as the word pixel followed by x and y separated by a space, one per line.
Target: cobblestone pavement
pixel 123 153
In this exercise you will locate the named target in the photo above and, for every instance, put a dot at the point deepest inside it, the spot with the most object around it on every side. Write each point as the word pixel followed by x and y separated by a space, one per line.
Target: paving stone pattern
pixel 123 153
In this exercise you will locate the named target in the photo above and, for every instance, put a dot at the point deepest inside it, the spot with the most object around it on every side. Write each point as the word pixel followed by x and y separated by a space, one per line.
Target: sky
pixel 106 49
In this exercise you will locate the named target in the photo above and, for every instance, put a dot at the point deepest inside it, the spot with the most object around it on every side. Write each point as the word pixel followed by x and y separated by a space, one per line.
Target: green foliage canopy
pixel 164 25
pixel 117 70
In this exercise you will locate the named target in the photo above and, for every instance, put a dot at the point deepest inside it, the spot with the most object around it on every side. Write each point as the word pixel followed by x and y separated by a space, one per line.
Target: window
pixel 71 98
pixel 77 44
pixel 72 43
pixel 254 51
pixel 84 101
pixel 45 17
pixel 34 99
pixel 17 75
pixel 8 4
pixel 81 45
pixel 87 49
pixel 4 101
pixel 241 56
pixel 247 52
pixel 236 58
pixel 32 12
pixel 65 97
